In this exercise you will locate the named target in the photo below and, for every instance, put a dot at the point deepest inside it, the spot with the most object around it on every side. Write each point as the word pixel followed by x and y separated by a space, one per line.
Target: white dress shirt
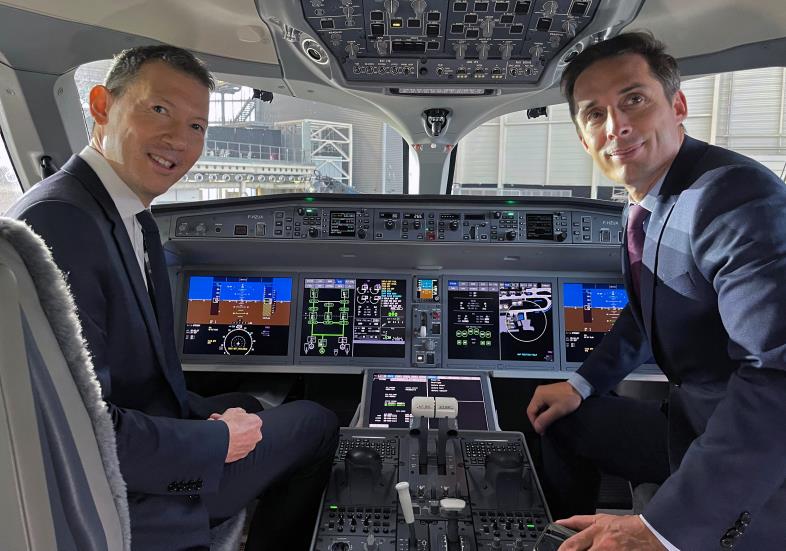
pixel 125 200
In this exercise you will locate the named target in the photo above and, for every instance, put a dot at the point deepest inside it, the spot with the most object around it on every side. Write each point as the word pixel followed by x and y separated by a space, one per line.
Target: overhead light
pixel 442 91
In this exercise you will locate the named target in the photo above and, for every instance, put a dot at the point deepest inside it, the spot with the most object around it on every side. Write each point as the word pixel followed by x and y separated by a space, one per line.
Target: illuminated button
pixel 397 23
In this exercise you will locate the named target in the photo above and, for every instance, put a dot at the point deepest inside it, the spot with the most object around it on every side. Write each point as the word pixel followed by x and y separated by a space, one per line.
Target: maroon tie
pixel 635 229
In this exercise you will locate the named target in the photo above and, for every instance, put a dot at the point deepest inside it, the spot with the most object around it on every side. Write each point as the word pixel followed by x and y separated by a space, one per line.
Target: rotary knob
pixel 536 51
pixel 487 27
pixel 313 232
pixel 381 46
pixel 561 236
pixel 362 233
pixel 483 51
pixel 346 2
pixel 389 224
pixel 461 50
pixel 506 50
pixel 352 49
pixel 510 235
pixel 348 11
pixel 569 27
pixel 554 40
pixel 391 6
pixel 454 225
pixel 419 6
pixel 550 8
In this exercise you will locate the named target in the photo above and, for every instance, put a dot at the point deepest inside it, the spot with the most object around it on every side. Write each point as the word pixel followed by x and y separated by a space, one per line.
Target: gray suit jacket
pixel 713 315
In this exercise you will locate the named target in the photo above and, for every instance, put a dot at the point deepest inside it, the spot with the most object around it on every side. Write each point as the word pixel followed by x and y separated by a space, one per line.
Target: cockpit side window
pixel 260 143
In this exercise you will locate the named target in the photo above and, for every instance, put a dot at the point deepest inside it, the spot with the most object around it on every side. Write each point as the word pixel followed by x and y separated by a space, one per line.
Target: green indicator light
pixel 334 507
pixel 510 214
pixel 530 526
pixel 511 202
pixel 309 199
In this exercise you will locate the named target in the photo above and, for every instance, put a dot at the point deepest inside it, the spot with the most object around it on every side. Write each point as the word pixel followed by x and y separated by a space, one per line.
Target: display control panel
pixel 341 223
pixel 446 41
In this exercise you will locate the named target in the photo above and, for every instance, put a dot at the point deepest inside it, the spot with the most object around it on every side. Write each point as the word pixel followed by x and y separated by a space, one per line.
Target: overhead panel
pixel 447 41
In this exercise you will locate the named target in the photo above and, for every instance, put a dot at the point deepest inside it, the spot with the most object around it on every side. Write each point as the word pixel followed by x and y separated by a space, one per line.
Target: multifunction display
pixel 238 315
pixel 427 290
pixel 345 317
pixel 342 223
pixel 590 310
pixel 500 320
pixel 391 398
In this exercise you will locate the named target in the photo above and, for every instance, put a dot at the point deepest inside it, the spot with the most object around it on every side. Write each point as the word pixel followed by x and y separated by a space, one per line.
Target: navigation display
pixel 392 393
pixel 589 310
pixel 500 320
pixel 361 318
pixel 238 315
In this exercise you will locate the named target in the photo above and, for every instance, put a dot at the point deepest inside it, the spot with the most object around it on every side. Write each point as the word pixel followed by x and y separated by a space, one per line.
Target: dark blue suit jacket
pixel 167 458
pixel 713 314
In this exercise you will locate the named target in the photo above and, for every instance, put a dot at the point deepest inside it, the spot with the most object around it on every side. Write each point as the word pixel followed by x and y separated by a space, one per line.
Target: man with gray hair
pixel 188 462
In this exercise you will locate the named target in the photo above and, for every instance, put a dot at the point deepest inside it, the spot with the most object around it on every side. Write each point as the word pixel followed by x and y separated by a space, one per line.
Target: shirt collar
pixel 126 201
pixel 651 199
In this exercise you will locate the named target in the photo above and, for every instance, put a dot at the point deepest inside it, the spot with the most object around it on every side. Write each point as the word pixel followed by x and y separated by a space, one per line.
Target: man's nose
pixel 617 124
pixel 175 136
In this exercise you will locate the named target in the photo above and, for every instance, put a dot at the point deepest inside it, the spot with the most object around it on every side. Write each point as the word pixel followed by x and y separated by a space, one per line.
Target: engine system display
pixel 500 320
pixel 345 317
pixel 238 315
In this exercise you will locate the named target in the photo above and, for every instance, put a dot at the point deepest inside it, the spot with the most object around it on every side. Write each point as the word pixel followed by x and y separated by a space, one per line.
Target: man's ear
pixel 680 105
pixel 100 100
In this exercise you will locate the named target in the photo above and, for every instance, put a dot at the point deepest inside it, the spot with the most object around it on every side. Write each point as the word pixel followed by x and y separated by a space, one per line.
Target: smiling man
pixel 189 463
pixel 704 261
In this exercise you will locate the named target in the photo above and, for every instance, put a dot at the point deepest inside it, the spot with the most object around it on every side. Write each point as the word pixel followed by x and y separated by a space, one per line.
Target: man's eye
pixel 636 98
pixel 159 109
pixel 198 127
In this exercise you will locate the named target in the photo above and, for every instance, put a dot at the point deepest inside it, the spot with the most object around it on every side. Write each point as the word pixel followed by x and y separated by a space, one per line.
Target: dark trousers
pixel 614 435
pixel 287 471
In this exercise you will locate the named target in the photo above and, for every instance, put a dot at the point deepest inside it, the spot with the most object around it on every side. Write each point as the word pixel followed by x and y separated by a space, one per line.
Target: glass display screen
pixel 589 312
pixel 500 320
pixel 238 315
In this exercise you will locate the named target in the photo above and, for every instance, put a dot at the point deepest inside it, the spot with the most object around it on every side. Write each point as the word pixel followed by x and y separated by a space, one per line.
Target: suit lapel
pixel 80 170
pixel 681 175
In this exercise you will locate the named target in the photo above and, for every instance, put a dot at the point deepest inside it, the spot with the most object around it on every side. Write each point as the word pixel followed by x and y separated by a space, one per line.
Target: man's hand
pixel 245 432
pixel 609 533
pixel 552 402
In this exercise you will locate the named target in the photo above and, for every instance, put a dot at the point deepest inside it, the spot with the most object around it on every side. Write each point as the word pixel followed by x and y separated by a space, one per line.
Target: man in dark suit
pixel 704 261
pixel 187 462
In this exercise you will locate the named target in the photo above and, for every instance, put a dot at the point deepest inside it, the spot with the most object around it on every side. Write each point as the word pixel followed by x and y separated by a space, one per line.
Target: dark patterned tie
pixel 636 216
pixel 161 296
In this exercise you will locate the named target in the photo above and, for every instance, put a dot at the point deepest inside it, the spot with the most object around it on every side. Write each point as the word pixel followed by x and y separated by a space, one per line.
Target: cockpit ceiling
pixel 229 28
pixel 233 28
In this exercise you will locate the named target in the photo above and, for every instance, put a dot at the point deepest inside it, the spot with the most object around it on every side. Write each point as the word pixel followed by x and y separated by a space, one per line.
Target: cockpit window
pixel 261 144
pixel 9 182
pixel 516 155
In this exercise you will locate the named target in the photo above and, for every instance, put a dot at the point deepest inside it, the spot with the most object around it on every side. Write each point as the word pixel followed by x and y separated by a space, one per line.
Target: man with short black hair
pixel 704 261
pixel 188 462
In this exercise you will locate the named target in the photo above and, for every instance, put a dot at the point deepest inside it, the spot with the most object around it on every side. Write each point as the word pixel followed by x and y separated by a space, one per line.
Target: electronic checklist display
pixel 388 395
pixel 346 317
pixel 501 321
pixel 237 315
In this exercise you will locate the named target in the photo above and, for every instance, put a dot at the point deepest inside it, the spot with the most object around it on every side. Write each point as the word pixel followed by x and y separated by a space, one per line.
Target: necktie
pixel 161 296
pixel 635 233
